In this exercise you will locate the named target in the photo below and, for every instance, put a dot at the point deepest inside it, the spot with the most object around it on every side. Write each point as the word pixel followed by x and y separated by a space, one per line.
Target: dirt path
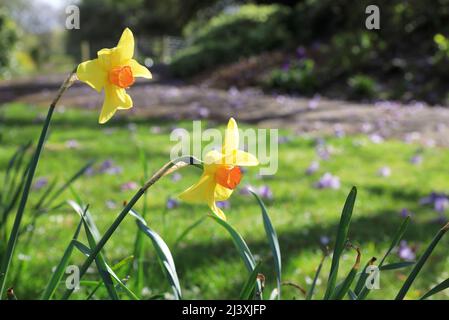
pixel 410 122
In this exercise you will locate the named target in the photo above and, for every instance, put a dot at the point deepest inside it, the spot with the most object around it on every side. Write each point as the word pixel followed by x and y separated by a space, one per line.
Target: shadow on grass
pixel 376 229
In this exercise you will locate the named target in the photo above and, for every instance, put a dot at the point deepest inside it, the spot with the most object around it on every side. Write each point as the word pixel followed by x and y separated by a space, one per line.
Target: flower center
pixel 121 76
pixel 228 176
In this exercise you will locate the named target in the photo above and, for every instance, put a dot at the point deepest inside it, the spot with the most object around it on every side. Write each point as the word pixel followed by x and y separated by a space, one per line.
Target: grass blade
pixel 93 235
pixel 187 160
pixel 342 235
pixel 397 265
pixel 439 287
pixel 360 285
pixel 188 230
pixel 273 241
pixel 346 284
pixel 6 261
pixel 363 291
pixel 315 279
pixel 165 258
pixel 420 263
pixel 248 289
pixel 242 248
pixel 60 269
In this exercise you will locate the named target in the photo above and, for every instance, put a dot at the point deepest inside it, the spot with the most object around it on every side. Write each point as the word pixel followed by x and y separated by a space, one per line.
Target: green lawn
pixel 207 262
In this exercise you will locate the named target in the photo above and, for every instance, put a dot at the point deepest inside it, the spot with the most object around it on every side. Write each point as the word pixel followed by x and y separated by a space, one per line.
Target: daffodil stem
pixel 188 160
pixel 6 260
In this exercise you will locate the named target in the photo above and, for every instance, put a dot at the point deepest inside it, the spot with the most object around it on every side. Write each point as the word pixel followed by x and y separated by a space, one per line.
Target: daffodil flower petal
pixel 108 58
pixel 222 193
pixel 125 46
pixel 240 158
pixel 213 157
pixel 139 70
pixel 216 210
pixel 231 140
pixel 201 191
pixel 115 98
pixel 92 73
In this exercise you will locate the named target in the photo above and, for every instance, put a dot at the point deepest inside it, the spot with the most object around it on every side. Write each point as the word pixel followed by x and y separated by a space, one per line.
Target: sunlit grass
pixel 208 264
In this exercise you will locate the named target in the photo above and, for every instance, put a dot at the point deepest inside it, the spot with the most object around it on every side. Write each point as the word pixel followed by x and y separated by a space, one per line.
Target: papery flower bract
pixel 114 70
pixel 221 173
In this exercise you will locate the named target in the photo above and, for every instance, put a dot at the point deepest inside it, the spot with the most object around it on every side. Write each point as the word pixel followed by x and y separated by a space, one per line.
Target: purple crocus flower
pixel 265 192
pixel 223 204
pixel 324 240
pixel 171 203
pixel 328 181
pixel 323 152
pixel 72 144
pixel 131 185
pixel 440 204
pixel 245 190
pixel 314 102
pixel 110 204
pixel 313 167
pixel 416 159
pixel 109 167
pixel 176 177
pixel 376 138
pixel 40 183
pixel 405 213
pixel 301 53
pixel 406 252
pixel 384 172
pixel 339 132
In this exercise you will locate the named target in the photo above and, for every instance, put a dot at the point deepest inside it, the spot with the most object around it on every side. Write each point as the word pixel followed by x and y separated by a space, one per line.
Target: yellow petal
pixel 114 98
pixel 139 70
pixel 201 192
pixel 222 193
pixel 125 46
pixel 91 73
pixel 217 210
pixel 231 140
pixel 108 58
pixel 213 157
pixel 240 158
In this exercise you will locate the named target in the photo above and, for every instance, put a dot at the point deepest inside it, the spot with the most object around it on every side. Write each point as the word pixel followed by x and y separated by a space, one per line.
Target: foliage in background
pixel 234 33
pixel 8 40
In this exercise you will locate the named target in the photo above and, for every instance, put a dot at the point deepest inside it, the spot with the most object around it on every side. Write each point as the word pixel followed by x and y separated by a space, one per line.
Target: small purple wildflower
pixel 110 204
pixel 176 177
pixel 109 167
pixel 245 190
pixel 313 167
pixel 172 203
pixel 40 183
pixel 265 192
pixel 72 144
pixel 376 138
pixel 324 240
pixel 328 181
pixel 384 172
pixel 405 213
pixel 131 185
pixel 416 159
pixel 440 204
pixel 301 53
pixel 406 252
pixel 314 102
pixel 223 204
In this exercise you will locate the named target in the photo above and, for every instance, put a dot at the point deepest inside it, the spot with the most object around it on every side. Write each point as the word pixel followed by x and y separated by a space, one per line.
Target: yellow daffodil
pixel 221 173
pixel 114 70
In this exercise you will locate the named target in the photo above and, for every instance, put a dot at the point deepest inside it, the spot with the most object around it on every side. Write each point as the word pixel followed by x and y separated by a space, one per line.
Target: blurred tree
pixel 8 40
pixel 102 21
